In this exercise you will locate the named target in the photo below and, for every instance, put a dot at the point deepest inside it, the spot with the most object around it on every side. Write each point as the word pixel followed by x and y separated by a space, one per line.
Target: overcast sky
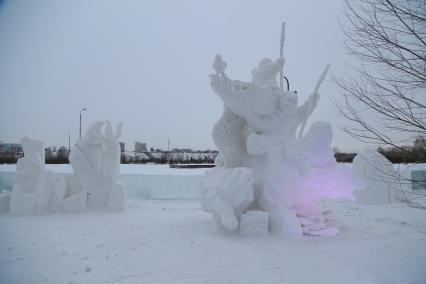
pixel 147 63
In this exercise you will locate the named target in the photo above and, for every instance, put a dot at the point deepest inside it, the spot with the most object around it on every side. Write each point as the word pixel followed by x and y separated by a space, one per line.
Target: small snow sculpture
pixel 379 178
pixel 256 134
pixel 28 189
pixel 95 160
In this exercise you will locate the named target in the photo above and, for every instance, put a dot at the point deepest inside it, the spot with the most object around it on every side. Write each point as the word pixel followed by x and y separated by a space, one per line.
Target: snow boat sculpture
pixel 263 166
pixel 95 160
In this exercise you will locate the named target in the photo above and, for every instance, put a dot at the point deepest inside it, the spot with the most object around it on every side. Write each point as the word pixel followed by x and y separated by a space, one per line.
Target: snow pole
pixel 320 80
pixel 282 39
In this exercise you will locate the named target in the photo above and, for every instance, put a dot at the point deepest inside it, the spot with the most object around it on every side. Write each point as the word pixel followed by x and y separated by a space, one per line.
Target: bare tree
pixel 385 97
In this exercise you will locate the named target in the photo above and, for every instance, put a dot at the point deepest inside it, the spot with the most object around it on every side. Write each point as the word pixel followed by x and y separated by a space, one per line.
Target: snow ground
pixel 175 242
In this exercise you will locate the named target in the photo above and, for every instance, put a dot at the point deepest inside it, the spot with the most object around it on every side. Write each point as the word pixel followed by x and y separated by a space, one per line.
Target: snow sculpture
pixel 227 193
pixel 380 179
pixel 256 134
pixel 27 192
pixel 95 160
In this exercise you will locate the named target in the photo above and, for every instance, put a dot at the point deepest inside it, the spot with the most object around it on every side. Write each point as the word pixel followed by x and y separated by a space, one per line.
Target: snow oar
pixel 282 39
pixel 320 80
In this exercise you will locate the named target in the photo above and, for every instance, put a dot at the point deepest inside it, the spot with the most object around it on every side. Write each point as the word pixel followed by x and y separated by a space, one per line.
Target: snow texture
pixel 174 242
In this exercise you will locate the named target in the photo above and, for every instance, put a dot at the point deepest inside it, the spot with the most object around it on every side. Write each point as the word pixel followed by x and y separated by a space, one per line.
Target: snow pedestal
pixel 254 223
pixel 380 179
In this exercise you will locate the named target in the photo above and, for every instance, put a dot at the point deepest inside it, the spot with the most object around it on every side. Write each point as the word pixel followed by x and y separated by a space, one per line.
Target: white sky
pixel 147 63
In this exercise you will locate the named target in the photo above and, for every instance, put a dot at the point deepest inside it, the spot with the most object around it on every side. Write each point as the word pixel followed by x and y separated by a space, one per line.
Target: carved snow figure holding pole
pixel 263 165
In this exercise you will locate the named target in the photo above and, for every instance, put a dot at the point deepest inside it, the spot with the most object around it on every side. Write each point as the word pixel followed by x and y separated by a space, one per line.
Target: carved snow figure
pixel 95 160
pixel 85 158
pixel 35 190
pixel 227 193
pixel 230 131
pixel 290 175
pixel 29 184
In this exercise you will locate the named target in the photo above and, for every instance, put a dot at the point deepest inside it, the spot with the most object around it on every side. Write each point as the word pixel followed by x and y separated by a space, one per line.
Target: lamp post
pixel 83 109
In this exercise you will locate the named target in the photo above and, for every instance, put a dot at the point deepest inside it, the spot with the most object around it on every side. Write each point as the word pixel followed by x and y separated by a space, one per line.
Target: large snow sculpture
pixel 95 160
pixel 257 132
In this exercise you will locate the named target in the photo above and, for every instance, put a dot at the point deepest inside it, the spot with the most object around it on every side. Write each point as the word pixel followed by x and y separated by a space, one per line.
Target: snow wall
pixel 141 185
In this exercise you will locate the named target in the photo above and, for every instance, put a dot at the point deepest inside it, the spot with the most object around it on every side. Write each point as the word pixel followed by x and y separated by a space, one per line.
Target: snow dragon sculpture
pixel 263 165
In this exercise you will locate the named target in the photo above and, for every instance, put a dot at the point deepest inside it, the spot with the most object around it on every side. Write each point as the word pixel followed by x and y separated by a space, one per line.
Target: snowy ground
pixel 174 242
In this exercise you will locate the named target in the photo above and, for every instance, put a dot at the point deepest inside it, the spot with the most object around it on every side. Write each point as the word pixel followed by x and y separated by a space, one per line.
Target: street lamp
pixel 83 109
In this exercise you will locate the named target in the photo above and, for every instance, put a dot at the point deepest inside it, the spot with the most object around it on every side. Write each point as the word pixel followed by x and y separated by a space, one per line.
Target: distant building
pixel 122 147
pixel 140 147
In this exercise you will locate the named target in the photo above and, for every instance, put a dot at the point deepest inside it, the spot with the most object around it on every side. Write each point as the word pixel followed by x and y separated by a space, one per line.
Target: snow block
pixel 33 146
pixel 57 195
pixel 285 221
pixel 378 175
pixel 227 193
pixel 254 223
pixel 75 203
pixel 21 203
pixel 97 199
